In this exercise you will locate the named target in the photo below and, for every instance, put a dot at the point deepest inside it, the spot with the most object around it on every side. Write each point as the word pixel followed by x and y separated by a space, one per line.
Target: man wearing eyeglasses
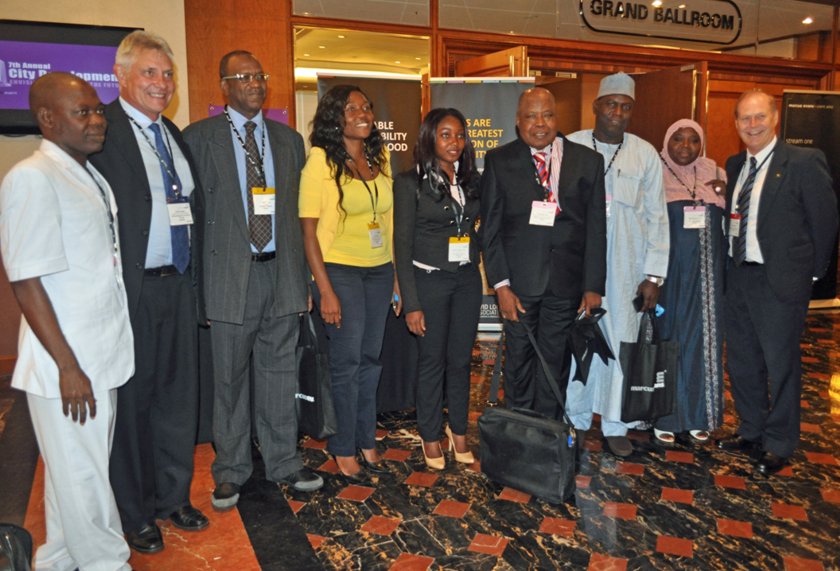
pixel 255 280
pixel 161 219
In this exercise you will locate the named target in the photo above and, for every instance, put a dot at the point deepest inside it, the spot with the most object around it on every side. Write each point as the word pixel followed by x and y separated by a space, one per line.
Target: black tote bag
pixel 650 372
pixel 314 402
pixel 525 450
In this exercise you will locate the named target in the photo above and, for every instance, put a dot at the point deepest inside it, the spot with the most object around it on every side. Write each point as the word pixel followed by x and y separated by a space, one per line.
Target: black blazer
pixel 570 257
pixel 797 218
pixel 121 163
pixel 422 228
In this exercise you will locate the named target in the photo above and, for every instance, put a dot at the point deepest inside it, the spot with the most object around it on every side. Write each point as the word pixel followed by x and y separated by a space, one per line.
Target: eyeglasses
pixel 248 77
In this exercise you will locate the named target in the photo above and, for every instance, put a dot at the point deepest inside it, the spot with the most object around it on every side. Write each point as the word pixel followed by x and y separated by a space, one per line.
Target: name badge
pixel 264 200
pixel 542 213
pixel 375 234
pixel 459 249
pixel 179 212
pixel 734 225
pixel 694 217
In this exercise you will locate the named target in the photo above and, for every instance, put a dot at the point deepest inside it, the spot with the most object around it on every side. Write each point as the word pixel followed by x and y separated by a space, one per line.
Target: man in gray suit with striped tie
pixel 255 280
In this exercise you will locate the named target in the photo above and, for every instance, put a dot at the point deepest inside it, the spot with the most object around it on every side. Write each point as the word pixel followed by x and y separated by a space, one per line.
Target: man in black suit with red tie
pixel 782 227
pixel 543 233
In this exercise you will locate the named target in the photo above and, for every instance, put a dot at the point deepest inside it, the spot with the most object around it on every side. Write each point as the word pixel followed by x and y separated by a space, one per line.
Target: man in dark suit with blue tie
pixel 255 280
pixel 782 227
pixel 161 219
pixel 543 234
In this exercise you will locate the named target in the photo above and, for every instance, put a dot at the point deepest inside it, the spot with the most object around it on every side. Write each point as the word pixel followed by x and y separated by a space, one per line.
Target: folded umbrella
pixel 587 339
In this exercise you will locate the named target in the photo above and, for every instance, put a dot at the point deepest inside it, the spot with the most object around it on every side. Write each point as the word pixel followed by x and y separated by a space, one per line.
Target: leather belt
pixel 162 271
pixel 264 257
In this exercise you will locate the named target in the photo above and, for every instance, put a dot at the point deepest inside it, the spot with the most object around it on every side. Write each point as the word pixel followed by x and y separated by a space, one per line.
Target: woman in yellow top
pixel 346 214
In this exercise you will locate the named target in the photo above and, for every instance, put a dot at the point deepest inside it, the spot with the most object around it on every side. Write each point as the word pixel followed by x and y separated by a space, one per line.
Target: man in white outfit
pixel 637 251
pixel 58 239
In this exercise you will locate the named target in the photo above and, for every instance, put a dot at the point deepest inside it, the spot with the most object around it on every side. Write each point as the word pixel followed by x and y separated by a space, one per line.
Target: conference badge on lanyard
pixel 542 213
pixel 734 225
pixel 694 217
pixel 459 249
pixel 375 234
pixel 264 200
pixel 179 211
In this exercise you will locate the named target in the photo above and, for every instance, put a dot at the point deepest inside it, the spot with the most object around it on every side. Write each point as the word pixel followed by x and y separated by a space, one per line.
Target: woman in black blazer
pixel 436 257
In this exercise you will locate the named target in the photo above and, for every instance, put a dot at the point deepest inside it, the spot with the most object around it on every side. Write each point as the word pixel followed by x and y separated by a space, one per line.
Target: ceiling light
pixel 305 55
pixel 341 36
pixel 322 47
pixel 808 20
pixel 681 6
pixel 417 58
pixel 397 61
pixel 656 3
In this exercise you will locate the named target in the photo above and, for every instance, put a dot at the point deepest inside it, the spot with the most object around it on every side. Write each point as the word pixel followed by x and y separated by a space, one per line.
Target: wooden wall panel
pixel 261 27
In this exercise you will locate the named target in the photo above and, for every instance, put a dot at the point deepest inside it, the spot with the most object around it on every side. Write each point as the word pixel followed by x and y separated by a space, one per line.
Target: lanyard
pixel 107 204
pixel 257 162
pixel 759 167
pixel 458 206
pixel 172 176
pixel 693 190
pixel 373 203
pixel 612 160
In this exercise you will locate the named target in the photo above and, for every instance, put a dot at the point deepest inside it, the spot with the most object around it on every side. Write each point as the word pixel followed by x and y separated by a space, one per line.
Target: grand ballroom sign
pixel 706 21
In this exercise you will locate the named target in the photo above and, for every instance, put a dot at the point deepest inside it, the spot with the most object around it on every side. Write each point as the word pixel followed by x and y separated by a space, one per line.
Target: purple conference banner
pixel 21 63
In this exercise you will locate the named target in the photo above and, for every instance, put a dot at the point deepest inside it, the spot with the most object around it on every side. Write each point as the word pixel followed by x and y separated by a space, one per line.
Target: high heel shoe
pixel 359 477
pixel 462 457
pixel 433 463
pixel 372 467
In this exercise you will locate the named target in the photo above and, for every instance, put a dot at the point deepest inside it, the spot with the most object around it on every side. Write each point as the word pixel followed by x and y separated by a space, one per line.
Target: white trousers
pixel 83 525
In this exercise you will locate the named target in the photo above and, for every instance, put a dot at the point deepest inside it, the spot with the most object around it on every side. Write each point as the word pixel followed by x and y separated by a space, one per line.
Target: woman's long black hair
pixel 427 161
pixel 328 133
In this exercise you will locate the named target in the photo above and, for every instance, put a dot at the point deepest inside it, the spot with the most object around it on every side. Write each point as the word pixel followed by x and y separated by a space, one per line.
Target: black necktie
pixel 739 243
pixel 179 234
pixel 259 225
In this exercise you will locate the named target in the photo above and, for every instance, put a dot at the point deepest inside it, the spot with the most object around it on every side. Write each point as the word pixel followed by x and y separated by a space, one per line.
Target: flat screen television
pixel 31 49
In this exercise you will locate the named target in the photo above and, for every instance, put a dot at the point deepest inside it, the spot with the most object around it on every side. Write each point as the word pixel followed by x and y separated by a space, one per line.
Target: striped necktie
pixel 739 243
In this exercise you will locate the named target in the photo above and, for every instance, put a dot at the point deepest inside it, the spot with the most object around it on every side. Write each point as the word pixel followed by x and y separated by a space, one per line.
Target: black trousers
pixel 550 318
pixel 451 305
pixel 764 359
pixel 157 409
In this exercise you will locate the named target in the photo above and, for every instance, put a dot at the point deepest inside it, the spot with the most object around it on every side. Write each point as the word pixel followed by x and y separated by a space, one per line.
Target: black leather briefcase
pixel 524 449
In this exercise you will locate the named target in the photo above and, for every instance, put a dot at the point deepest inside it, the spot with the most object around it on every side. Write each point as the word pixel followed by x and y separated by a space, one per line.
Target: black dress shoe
pixel 304 480
pixel 147 539
pixel 738 443
pixel 189 519
pixel 770 463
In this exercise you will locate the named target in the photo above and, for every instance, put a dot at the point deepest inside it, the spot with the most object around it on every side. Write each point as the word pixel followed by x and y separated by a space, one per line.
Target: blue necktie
pixel 180 235
pixel 739 243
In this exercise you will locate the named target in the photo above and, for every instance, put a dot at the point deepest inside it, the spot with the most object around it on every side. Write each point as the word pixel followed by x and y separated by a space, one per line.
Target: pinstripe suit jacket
pixel 226 248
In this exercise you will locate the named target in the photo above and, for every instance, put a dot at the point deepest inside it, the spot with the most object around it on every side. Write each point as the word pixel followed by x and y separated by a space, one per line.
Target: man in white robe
pixel 637 252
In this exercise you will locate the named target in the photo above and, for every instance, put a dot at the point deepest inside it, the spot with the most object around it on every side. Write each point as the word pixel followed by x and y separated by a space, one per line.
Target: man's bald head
pixel 69 113
pixel 535 118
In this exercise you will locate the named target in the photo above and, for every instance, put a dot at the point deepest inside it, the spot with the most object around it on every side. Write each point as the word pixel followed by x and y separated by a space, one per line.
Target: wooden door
pixel 665 96
pixel 512 62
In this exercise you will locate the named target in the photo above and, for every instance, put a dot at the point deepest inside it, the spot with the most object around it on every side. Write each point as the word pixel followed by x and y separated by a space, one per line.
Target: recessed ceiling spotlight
pixel 656 3
pixel 341 36
pixel 322 47
pixel 305 55
pixel 681 6
pixel 397 61
pixel 808 20
pixel 417 58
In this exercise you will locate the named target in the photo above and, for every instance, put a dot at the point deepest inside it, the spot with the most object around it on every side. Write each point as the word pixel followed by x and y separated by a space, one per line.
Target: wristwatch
pixel 656 279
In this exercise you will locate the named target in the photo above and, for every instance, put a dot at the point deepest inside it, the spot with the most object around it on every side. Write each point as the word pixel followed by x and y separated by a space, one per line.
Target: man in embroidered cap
pixel 637 251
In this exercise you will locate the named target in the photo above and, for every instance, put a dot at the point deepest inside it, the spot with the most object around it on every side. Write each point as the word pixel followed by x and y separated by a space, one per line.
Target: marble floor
pixel 686 507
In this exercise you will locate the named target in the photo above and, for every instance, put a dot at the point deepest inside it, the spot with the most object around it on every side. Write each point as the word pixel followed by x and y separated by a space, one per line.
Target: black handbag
pixel 15 548
pixel 525 450
pixel 314 402
pixel 650 372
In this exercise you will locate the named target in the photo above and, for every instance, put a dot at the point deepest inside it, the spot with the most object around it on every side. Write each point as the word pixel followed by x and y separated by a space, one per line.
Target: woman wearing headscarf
pixel 693 292
pixel 436 252
pixel 346 215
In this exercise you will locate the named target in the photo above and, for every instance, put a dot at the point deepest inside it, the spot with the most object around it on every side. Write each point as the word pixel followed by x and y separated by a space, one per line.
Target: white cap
pixel 618 84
